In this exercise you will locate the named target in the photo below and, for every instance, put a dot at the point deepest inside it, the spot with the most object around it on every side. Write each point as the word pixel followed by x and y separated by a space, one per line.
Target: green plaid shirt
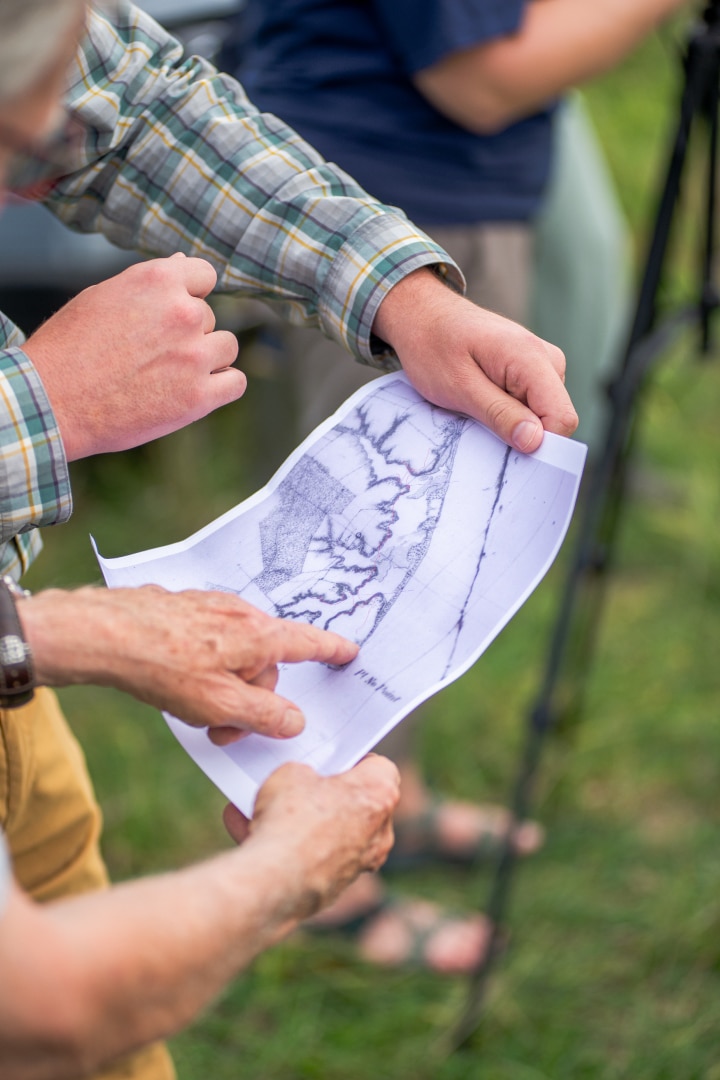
pixel 173 157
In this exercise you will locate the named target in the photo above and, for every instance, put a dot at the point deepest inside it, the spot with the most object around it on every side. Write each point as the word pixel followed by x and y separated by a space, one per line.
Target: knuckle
pixel 154 590
pixel 291 774
pixel 568 421
pixel 206 268
pixel 226 344
pixel 210 320
pixel 233 702
pixel 392 795
pixel 185 313
pixel 253 719
pixel 500 413
pixel 558 359
pixel 516 379
pixel 153 272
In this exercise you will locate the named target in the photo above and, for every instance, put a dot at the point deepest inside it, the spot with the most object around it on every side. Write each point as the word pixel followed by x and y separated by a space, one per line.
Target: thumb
pixel 235 823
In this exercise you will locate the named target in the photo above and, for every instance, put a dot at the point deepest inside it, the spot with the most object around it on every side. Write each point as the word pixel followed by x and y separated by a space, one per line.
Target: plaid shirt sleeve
pixel 174 157
pixel 34 481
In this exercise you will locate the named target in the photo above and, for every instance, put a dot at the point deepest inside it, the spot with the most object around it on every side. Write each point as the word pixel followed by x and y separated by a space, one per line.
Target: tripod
pixel 559 703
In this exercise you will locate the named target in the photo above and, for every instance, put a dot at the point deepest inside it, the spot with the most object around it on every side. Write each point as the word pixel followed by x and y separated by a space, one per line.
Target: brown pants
pixel 52 823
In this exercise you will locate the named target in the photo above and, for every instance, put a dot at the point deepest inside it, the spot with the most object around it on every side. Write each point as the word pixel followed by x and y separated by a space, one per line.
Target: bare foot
pixel 416 933
pixel 452 828
pixel 461 830
pixel 405 932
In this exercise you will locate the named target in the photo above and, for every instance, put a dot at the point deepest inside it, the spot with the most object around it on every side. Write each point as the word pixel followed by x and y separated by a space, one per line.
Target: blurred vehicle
pixel 44 263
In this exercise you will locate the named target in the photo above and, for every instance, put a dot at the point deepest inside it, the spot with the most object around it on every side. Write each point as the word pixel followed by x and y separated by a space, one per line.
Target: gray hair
pixel 30 34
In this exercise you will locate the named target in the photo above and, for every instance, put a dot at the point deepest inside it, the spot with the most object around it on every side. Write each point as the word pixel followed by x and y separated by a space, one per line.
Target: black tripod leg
pixel 573 639
pixel 701 78
pixel 584 591
pixel 501 886
pixel 709 299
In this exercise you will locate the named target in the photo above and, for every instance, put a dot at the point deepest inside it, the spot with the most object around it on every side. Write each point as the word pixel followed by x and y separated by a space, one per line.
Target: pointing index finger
pixel 300 641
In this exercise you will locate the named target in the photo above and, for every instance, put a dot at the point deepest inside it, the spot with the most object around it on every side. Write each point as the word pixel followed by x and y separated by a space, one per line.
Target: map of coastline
pixel 352 522
pixel 409 529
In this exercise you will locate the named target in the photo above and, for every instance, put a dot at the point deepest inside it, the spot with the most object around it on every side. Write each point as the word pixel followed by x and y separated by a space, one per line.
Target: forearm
pixel 177 159
pixel 80 637
pixel 97 976
pixel 88 978
pixel 561 43
pixel 91 977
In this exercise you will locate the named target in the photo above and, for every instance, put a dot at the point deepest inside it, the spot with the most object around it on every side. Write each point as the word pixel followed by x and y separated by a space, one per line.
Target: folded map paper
pixel 410 529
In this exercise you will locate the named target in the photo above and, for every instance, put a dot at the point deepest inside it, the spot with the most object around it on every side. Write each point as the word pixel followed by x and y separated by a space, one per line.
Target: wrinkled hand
pixel 331 828
pixel 464 358
pixel 208 658
pixel 136 357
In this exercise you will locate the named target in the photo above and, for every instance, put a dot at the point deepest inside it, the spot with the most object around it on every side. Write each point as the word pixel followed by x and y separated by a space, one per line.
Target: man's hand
pixel 327 830
pixel 464 358
pixel 136 357
pixel 208 658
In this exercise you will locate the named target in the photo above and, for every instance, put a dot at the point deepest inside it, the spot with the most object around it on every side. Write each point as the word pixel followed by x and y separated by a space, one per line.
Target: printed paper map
pixel 412 530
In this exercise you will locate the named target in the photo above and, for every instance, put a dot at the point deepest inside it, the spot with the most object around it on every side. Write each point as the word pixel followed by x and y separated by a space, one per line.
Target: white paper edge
pixel 554 450
pixel 566 454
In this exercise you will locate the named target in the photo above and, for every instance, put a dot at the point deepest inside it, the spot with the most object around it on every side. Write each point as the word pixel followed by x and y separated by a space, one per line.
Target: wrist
pixel 278 903
pixel 399 314
pixel 69 643
pixel 17 670
pixel 300 888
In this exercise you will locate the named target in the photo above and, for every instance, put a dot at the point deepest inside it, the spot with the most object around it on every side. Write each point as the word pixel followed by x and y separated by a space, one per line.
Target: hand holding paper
pixel 463 357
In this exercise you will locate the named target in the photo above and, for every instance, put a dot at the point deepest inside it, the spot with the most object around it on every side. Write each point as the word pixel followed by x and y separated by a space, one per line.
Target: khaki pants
pixel 52 823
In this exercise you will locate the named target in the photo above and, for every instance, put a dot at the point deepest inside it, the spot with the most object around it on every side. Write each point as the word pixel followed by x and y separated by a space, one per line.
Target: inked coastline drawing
pixel 353 519
pixel 412 530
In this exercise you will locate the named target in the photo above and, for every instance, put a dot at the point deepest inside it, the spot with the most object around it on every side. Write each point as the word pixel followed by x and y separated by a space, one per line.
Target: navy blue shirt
pixel 339 72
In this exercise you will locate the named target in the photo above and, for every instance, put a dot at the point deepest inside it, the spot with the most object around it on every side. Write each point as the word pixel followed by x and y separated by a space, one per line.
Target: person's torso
pixel 340 72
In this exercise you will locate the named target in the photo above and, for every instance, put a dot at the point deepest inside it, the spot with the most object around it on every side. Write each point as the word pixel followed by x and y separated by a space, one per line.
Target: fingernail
pixel 292 724
pixel 524 434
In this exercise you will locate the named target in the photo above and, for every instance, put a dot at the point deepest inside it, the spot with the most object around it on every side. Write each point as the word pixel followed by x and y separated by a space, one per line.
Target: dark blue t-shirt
pixel 338 71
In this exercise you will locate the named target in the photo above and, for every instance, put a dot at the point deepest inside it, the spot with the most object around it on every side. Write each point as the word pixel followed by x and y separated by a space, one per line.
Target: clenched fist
pixel 136 357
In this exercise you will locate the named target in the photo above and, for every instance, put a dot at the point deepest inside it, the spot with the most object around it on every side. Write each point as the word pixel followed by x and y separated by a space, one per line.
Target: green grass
pixel 613 968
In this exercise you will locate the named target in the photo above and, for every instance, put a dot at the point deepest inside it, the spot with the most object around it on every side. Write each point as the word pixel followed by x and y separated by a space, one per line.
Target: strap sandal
pixel 420 840
pixel 419 926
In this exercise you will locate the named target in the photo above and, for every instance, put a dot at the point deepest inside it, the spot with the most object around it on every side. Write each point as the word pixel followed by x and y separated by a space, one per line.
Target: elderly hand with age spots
pixel 331 828
pixel 208 658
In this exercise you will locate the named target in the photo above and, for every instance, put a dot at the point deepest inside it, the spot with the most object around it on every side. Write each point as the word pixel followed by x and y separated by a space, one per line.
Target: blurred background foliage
pixel 613 967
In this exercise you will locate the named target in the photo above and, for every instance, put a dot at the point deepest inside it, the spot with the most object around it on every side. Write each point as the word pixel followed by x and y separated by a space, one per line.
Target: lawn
pixel 613 964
